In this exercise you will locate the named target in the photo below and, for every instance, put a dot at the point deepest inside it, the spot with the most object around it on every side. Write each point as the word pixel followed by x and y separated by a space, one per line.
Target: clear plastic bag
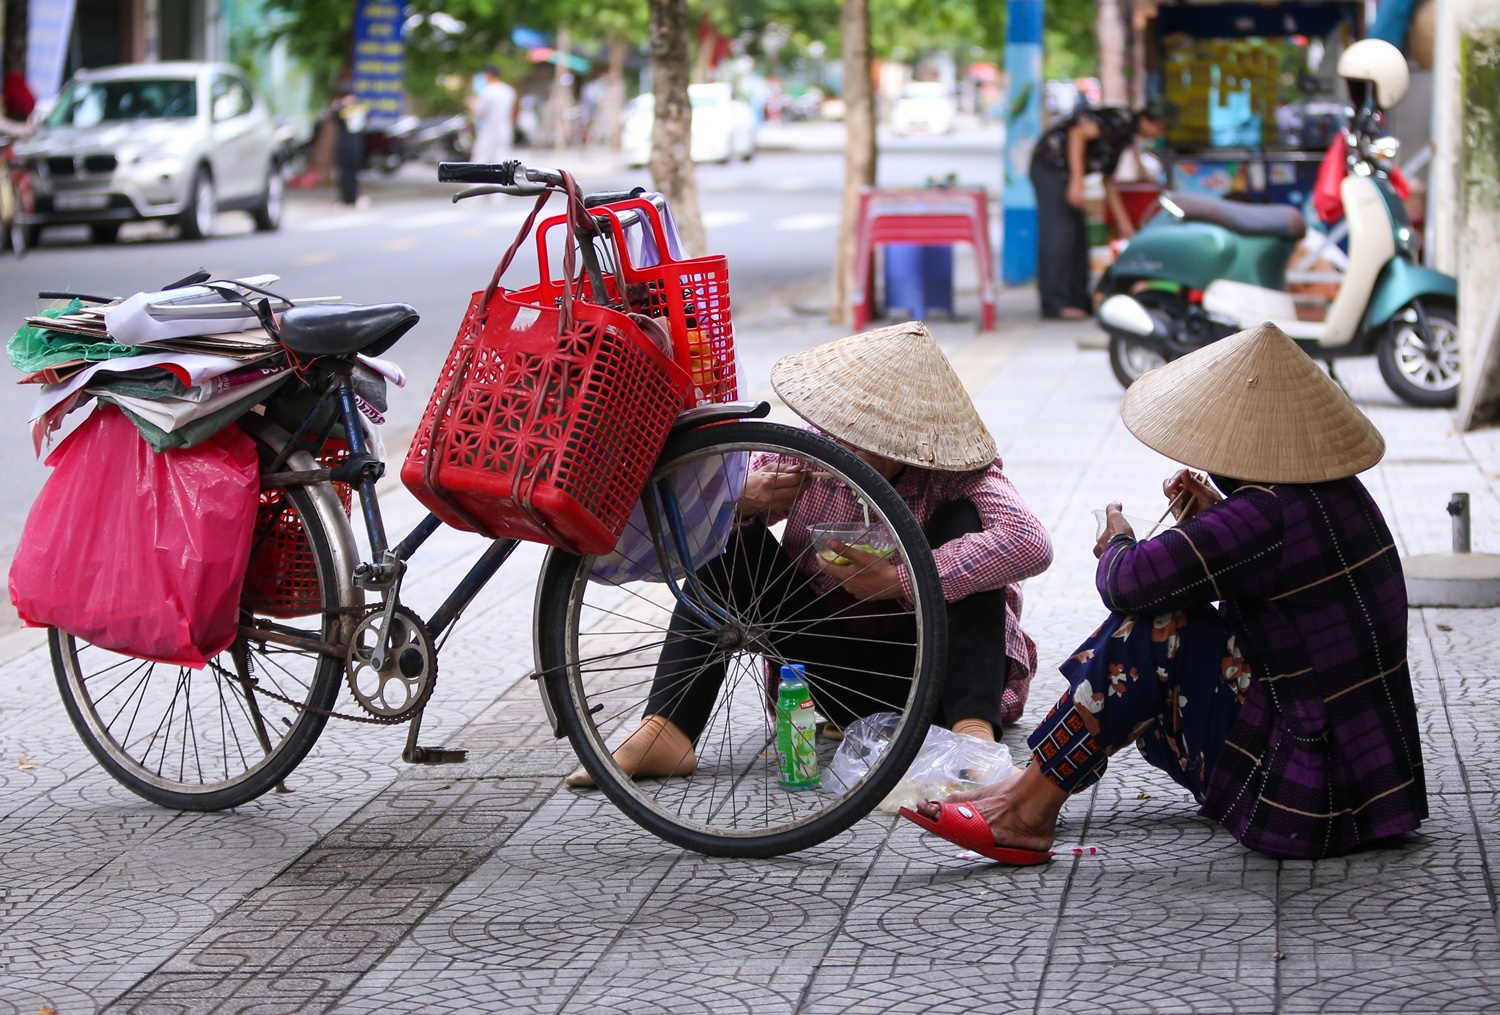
pixel 947 763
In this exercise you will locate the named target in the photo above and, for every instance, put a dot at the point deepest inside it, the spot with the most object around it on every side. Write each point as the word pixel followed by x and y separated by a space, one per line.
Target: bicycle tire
pixel 289 732
pixel 588 699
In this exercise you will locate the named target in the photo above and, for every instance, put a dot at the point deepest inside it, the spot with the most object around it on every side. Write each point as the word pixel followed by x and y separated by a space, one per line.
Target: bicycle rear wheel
pixel 210 739
pixel 600 644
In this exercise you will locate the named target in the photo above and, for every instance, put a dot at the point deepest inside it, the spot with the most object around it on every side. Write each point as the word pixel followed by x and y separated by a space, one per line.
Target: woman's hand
pixel 866 576
pixel 1114 525
pixel 1075 192
pixel 773 490
pixel 1190 494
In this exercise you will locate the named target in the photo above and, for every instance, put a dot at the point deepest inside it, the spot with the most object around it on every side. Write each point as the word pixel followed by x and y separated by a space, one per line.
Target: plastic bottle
pixel 796 734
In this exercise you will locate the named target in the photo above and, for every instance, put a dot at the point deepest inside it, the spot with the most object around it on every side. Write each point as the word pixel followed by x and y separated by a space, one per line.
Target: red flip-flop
pixel 961 825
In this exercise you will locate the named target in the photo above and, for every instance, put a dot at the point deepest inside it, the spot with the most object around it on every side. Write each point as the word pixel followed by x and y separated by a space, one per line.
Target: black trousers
pixel 1062 243
pixel 350 151
pixel 855 665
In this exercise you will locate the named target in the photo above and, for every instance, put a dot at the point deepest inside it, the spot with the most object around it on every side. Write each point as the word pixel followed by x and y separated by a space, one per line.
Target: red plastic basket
pixel 535 435
pixel 282 577
pixel 692 294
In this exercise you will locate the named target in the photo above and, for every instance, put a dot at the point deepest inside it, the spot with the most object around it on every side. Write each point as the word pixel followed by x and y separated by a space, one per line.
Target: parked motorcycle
pixel 409 139
pixel 1208 268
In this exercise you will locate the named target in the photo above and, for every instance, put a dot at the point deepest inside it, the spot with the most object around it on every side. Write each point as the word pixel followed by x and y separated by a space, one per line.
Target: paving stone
pixel 487 886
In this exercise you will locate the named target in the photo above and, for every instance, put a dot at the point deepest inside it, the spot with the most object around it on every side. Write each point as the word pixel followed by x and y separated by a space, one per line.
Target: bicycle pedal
pixel 433 756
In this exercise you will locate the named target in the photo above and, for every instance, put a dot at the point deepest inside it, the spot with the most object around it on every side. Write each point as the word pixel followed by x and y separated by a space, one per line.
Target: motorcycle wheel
pixel 1418 374
pixel 1129 360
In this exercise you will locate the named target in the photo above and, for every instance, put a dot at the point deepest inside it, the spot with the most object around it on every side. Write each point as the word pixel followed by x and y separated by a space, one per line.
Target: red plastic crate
pixel 282 577
pixel 692 294
pixel 534 437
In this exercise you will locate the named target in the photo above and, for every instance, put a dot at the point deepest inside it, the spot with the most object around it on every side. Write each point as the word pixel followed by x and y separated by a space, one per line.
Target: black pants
pixel 855 666
pixel 350 151
pixel 1062 243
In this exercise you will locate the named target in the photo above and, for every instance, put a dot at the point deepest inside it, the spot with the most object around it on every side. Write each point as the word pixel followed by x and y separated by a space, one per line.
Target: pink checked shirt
pixel 1012 546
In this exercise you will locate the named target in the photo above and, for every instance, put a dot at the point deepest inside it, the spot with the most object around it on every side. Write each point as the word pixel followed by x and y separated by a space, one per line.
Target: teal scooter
pixel 1204 268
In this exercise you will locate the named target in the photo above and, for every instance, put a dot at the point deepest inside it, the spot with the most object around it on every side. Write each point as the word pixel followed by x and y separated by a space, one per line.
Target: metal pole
pixel 1023 128
pixel 1458 507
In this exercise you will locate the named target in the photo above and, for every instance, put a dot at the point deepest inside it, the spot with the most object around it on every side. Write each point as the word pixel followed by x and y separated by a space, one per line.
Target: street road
pixel 776 217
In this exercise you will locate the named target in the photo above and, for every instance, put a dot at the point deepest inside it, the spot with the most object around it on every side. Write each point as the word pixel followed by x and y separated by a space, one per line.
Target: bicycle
pixel 314 614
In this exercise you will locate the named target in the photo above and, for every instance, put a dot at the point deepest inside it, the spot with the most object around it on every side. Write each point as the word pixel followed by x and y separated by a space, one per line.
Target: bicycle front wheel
pixel 615 645
pixel 210 739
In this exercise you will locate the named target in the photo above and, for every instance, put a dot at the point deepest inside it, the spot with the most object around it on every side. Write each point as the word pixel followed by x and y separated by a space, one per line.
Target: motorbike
pixel 409 139
pixel 1205 268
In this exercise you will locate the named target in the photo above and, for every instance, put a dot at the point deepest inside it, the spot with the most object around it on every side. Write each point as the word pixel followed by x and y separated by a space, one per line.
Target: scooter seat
pixel 1281 220
pixel 342 329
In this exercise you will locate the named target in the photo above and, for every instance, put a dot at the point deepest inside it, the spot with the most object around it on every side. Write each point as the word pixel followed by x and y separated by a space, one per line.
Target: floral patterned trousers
pixel 1172 684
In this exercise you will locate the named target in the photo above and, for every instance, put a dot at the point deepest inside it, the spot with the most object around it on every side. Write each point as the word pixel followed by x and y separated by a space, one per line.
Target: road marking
pixel 811 222
pixel 431 220
pixel 311 258
pixel 722 218
pixel 394 246
pixel 347 220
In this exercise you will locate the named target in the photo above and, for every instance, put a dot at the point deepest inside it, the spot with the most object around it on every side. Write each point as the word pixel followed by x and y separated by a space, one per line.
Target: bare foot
pixel 1021 812
pixel 1073 314
pixel 657 749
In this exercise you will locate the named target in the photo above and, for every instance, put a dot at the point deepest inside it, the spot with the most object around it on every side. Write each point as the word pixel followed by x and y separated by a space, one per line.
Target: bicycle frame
pixel 384 572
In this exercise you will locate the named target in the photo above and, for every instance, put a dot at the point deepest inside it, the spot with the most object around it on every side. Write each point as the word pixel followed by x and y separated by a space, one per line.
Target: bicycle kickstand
pixel 415 755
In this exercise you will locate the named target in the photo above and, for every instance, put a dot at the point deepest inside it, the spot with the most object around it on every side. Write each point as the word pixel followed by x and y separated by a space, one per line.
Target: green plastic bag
pixel 32 349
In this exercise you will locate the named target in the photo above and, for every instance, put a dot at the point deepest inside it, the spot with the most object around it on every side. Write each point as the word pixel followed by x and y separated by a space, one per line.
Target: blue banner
pixel 49 29
pixel 380 60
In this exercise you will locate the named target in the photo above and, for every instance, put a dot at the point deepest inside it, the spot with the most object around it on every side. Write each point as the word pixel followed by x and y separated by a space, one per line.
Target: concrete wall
pixel 1479 225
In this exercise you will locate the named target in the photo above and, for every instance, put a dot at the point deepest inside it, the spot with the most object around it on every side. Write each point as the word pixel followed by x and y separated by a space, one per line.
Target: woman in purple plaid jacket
pixel 1287 711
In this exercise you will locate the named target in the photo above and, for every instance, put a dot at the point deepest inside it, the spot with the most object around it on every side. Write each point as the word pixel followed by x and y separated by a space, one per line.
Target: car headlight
pixel 170 152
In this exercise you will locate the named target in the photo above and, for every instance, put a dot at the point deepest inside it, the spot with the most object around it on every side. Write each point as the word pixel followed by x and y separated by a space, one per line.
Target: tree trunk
pixel 560 100
pixel 1109 30
pixel 859 150
pixel 605 128
pixel 671 147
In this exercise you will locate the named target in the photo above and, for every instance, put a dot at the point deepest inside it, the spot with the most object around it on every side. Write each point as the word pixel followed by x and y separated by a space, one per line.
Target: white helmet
pixel 1381 64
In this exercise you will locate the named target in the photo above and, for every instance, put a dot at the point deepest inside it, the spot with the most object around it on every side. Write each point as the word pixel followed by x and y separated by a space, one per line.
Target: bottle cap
pixel 795 671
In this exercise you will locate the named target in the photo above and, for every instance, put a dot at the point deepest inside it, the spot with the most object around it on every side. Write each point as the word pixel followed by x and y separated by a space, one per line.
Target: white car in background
pixel 925 107
pixel 173 141
pixel 723 126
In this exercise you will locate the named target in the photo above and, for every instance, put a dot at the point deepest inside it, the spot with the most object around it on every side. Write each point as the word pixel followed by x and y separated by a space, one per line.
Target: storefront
pixel 1256 91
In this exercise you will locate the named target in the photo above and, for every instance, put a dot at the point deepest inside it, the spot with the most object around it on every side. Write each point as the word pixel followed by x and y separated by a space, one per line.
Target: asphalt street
pixel 776 217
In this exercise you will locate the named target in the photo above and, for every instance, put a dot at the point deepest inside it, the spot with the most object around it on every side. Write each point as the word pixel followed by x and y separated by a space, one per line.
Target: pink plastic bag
pixel 137 551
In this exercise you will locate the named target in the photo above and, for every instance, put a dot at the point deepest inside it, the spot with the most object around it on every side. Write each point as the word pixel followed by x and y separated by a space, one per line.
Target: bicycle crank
pixel 396 689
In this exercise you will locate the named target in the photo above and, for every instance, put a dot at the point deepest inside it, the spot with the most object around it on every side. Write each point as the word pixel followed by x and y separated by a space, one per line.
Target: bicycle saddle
pixel 343 329
pixel 1281 220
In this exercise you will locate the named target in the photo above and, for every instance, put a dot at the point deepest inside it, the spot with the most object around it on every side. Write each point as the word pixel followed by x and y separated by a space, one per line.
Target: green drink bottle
pixel 795 733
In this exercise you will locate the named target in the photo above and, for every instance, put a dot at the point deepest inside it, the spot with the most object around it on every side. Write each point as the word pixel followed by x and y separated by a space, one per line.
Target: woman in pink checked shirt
pixel 892 398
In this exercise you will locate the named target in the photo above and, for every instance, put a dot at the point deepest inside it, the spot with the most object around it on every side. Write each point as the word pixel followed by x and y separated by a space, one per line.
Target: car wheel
pixel 104 232
pixel 197 219
pixel 267 213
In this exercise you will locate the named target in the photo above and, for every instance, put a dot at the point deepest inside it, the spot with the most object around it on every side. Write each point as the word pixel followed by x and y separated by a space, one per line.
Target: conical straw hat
pixel 891 392
pixel 1255 407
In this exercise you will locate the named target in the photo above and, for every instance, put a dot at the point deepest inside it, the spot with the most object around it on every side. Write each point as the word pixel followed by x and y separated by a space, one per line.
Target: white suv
pixel 178 141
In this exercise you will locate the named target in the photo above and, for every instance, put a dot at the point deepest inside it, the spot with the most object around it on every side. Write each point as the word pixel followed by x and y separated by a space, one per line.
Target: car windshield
pixel 86 103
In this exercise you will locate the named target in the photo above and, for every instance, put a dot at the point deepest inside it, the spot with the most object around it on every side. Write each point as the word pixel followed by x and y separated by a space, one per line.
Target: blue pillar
pixel 1023 128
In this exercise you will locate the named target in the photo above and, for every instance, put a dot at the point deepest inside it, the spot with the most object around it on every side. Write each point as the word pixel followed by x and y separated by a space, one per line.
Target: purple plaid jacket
pixel 1324 755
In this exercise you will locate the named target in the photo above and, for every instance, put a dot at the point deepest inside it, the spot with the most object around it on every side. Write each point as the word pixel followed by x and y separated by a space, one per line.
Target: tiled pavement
pixel 487 887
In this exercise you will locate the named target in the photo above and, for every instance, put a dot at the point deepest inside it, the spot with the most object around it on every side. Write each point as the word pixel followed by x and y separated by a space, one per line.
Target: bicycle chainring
pixel 400 688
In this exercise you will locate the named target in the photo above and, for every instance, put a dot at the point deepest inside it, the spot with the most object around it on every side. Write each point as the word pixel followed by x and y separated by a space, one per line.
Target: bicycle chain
pixel 372 720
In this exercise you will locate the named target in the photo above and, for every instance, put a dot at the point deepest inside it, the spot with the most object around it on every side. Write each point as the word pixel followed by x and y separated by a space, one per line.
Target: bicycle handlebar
pixel 513 176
